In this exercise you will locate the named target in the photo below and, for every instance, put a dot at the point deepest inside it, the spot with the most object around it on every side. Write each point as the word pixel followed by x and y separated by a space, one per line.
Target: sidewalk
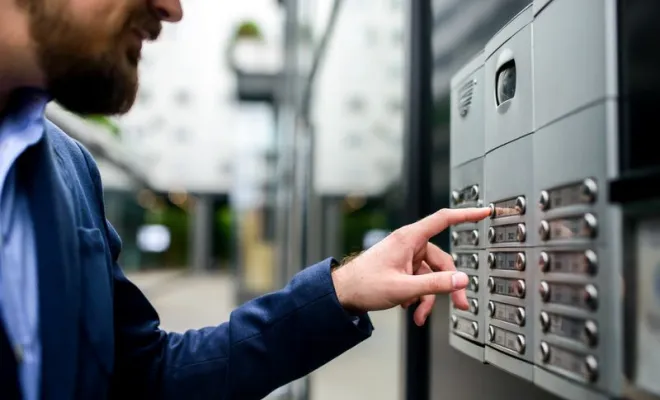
pixel 369 371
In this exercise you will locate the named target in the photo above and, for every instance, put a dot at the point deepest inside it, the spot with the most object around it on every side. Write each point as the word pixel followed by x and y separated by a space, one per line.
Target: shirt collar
pixel 26 110
pixel 28 104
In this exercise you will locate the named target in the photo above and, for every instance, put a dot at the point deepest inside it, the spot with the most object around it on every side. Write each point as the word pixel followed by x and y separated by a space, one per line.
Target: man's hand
pixel 405 268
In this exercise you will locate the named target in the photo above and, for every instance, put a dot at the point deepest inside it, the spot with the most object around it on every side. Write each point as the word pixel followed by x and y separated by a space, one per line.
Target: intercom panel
pixel 508 82
pixel 469 324
pixel 507 191
pixel 509 300
pixel 579 284
pixel 467 191
pixel 574 57
pixel 571 277
pixel 467 113
pixel 468 255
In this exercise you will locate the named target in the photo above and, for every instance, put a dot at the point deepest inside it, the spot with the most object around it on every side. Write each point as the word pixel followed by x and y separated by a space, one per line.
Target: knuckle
pixel 399 236
pixel 440 283
pixel 443 213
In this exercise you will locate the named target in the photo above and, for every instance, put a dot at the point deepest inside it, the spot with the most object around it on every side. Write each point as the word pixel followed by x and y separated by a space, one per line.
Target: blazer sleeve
pixel 266 343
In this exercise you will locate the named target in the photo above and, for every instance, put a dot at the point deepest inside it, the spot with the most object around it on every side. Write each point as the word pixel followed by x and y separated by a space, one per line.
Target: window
pixel 397 37
pixel 396 4
pixel 353 140
pixel 182 98
pixel 371 37
pixel 395 71
pixel 182 135
pixel 394 106
pixel 356 105
pixel 225 168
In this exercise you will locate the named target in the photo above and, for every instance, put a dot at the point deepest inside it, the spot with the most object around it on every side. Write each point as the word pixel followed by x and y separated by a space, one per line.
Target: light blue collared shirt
pixel 22 126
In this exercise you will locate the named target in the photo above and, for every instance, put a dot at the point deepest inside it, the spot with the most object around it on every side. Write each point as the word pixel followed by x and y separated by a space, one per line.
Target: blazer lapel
pixel 58 268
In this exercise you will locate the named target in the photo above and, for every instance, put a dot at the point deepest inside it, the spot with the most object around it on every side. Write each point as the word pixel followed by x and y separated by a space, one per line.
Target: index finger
pixel 442 219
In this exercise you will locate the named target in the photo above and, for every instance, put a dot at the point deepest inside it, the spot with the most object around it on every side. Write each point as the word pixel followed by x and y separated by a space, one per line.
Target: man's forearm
pixel 268 342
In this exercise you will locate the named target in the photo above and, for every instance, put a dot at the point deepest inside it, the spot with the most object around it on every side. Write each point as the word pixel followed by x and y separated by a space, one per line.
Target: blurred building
pixel 188 128
pixel 358 101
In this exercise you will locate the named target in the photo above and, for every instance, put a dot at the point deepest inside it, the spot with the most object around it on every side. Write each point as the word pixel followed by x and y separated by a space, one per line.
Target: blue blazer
pixel 101 337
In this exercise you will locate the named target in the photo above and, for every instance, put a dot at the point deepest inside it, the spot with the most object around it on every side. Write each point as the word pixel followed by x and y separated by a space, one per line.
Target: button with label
pixel 588 190
pixel 455 197
pixel 521 204
pixel 474 306
pixel 521 233
pixel 521 261
pixel 491 259
pixel 590 225
pixel 544 200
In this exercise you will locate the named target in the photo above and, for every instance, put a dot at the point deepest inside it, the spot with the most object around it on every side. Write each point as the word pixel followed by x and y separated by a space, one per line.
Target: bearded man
pixel 72 326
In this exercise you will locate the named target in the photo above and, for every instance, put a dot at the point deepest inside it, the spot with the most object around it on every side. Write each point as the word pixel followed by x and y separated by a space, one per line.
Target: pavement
pixel 372 370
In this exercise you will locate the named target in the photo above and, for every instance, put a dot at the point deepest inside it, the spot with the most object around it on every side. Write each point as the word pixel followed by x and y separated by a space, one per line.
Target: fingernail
pixel 459 280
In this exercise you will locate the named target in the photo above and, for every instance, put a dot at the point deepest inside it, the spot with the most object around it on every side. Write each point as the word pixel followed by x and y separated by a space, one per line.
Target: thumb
pixel 436 282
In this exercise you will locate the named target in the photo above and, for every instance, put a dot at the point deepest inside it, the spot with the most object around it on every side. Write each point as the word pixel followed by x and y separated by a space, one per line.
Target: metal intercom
pixel 563 275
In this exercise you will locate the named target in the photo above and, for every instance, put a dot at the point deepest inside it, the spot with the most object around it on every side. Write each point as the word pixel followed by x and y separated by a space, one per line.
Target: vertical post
pixel 417 179
pixel 202 228
pixel 332 227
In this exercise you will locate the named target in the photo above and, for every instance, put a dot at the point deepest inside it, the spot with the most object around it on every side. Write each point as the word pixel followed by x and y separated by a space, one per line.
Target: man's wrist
pixel 342 283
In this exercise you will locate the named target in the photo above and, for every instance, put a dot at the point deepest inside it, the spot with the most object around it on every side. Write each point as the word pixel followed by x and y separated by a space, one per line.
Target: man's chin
pixel 97 103
pixel 100 94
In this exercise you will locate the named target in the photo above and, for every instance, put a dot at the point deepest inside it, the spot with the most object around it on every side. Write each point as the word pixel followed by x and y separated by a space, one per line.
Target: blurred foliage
pixel 248 30
pixel 440 115
pixel 357 223
pixel 106 123
pixel 222 233
pixel 127 216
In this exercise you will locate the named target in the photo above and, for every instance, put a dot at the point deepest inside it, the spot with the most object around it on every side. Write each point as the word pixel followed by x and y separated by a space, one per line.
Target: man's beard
pixel 84 75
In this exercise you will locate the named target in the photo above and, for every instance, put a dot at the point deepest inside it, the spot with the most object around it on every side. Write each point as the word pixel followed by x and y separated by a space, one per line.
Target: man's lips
pixel 143 35
pixel 139 36
pixel 149 34
pixel 135 40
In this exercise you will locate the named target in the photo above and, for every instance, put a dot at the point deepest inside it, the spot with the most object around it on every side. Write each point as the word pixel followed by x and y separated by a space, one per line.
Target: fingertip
pixel 459 298
pixel 482 212
pixel 419 318
pixel 459 280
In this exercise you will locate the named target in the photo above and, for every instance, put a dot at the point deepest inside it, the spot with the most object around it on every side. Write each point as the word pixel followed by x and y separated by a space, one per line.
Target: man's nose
pixel 168 10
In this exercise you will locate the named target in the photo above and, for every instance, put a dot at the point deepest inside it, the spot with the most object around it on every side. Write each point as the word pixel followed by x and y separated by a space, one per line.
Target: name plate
pixel 466 260
pixel 581 366
pixel 507 261
pixel 507 313
pixel 581 227
pixel 465 238
pixel 467 196
pixel 515 233
pixel 573 295
pixel 569 262
pixel 507 287
pixel 569 195
pixel 507 339
pixel 578 329
pixel 508 208
pixel 465 327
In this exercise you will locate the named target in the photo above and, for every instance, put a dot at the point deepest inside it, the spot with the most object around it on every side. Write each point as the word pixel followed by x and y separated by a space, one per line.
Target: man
pixel 72 326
